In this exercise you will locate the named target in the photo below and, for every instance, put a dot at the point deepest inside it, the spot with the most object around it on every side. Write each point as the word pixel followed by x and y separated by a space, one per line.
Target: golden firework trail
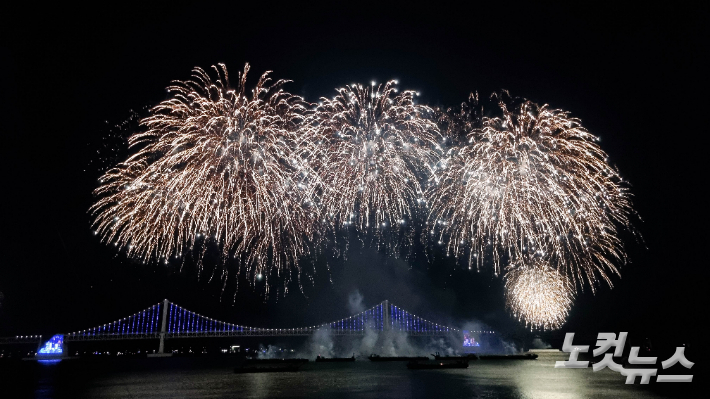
pixel 214 164
pixel 376 146
pixel 529 183
pixel 262 176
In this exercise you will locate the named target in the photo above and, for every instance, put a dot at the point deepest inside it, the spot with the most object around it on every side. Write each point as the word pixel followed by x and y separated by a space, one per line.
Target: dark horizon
pixel 635 77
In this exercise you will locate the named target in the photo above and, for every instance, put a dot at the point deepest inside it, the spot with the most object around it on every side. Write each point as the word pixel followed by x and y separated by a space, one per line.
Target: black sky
pixel 634 75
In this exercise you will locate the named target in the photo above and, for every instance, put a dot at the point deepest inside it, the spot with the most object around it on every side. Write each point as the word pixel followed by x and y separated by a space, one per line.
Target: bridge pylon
pixel 161 347
pixel 386 322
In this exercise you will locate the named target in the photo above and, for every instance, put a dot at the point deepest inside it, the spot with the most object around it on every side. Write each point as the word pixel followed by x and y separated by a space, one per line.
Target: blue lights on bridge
pixel 167 320
pixel 180 322
pixel 401 320
pixel 143 323
pixel 55 346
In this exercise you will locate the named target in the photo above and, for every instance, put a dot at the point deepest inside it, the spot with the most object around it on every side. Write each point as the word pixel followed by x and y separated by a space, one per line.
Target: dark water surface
pixel 214 378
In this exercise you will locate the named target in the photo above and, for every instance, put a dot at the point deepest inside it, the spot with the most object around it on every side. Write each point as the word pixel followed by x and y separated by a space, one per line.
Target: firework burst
pixel 214 164
pixel 456 124
pixel 538 294
pixel 531 182
pixel 377 145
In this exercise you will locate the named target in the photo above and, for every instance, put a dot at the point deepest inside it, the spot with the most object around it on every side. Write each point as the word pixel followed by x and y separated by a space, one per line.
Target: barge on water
pixel 378 358
pixel 526 356
pixel 275 361
pixel 468 356
pixel 321 359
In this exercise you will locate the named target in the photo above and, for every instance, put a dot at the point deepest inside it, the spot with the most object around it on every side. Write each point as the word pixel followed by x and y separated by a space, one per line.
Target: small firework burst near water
pixel 538 295
pixel 214 164
pixel 376 146
pixel 530 183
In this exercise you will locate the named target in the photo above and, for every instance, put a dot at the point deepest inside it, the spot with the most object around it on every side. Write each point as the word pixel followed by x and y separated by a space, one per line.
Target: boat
pixel 414 365
pixel 378 358
pixel 467 356
pixel 526 356
pixel 275 361
pixel 273 368
pixel 321 359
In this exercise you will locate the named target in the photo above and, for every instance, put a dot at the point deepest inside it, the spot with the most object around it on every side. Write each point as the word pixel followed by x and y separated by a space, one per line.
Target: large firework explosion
pixel 538 294
pixel 214 164
pixel 457 123
pixel 260 175
pixel 377 146
pixel 531 182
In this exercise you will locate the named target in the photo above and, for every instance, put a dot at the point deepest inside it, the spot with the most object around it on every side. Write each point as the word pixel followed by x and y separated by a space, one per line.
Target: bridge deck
pixel 166 320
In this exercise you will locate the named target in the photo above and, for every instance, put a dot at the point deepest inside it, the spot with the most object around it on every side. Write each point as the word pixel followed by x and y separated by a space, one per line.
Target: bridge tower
pixel 386 322
pixel 161 348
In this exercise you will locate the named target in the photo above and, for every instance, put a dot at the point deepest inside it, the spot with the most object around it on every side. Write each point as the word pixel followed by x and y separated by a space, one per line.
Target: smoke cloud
pixel 355 302
pixel 384 343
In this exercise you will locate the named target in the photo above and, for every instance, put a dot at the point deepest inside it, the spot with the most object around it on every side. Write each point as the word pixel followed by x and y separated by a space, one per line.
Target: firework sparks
pixel 530 183
pixel 214 164
pixel 378 144
pixel 538 294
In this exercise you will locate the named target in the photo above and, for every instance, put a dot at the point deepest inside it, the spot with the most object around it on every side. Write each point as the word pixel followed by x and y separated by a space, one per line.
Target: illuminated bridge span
pixel 169 320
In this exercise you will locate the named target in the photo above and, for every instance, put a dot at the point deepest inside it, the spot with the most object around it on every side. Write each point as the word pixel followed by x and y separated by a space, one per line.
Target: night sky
pixel 634 76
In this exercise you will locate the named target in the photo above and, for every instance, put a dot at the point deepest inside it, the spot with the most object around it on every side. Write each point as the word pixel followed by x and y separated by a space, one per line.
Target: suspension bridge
pixel 167 320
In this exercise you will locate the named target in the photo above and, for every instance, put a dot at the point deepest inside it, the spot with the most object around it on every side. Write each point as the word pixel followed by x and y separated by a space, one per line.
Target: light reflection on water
pixel 204 377
pixel 49 361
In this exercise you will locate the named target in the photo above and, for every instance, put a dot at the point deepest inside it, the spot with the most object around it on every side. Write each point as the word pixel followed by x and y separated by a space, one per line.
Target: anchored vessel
pixel 276 361
pixel 321 359
pixel 468 356
pixel 527 356
pixel 378 358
